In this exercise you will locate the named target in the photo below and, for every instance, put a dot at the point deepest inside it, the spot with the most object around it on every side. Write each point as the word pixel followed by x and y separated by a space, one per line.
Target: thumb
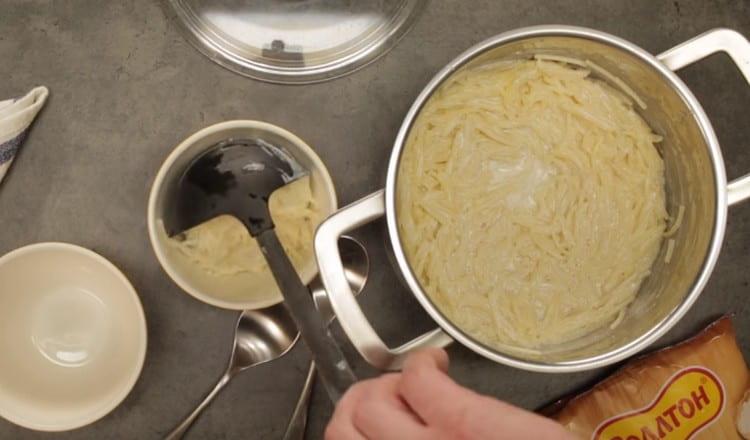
pixel 428 390
pixel 428 358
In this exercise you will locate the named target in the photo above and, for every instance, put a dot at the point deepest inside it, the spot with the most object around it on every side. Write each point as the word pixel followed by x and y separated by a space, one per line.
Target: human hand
pixel 423 403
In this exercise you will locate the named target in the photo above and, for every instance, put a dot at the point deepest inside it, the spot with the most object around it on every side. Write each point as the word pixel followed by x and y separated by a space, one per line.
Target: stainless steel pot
pixel 695 179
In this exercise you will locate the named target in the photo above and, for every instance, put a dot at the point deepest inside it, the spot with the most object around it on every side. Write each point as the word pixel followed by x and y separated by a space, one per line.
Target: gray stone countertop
pixel 126 88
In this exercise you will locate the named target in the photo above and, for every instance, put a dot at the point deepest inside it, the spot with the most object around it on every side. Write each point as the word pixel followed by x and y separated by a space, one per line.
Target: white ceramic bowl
pixel 72 336
pixel 241 291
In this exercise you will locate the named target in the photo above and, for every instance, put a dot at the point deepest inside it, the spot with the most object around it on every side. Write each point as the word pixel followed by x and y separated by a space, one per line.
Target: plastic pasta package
pixel 697 389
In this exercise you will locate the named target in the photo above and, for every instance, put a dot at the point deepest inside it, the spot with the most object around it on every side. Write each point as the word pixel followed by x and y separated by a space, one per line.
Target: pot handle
pixel 737 47
pixel 353 321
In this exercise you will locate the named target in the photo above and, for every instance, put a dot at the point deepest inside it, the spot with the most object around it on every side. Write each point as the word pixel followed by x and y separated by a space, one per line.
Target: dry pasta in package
pixel 697 389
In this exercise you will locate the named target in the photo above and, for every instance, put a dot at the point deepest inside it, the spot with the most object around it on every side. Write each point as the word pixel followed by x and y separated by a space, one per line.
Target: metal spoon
pixel 357 268
pixel 267 334
pixel 261 336
pixel 237 177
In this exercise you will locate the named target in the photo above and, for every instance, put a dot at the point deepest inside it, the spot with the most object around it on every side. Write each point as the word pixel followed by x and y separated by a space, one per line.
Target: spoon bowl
pixel 356 264
pixel 261 336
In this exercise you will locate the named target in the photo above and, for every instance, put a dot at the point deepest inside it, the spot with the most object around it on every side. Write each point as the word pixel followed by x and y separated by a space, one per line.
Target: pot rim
pixel 717 234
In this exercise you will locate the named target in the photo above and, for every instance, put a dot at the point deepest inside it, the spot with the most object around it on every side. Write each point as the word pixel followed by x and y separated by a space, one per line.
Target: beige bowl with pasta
pixel 224 283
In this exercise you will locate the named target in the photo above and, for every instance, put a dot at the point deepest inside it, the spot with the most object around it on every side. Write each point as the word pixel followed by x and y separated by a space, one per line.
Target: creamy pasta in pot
pixel 530 200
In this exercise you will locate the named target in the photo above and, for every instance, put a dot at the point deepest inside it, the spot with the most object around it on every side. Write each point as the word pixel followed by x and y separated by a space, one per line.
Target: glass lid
pixel 295 41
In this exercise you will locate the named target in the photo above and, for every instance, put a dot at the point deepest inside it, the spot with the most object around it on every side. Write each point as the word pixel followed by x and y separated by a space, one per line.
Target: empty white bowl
pixel 72 336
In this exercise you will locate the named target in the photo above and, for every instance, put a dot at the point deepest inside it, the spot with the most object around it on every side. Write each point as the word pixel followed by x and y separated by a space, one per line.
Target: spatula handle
pixel 335 372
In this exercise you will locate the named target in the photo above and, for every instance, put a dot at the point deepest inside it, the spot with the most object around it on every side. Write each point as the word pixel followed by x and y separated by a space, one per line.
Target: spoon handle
pixel 334 370
pixel 295 430
pixel 183 427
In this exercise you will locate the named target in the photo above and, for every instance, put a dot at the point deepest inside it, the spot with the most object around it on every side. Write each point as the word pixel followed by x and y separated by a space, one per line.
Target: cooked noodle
pixel 670 251
pixel 530 201
pixel 677 222
pixel 223 247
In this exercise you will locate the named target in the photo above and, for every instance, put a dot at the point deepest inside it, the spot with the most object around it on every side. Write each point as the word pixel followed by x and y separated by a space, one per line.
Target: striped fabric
pixel 16 115
pixel 9 148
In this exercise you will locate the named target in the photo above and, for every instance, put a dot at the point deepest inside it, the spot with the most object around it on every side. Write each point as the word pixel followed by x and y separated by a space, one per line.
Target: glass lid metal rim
pixel 374 45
